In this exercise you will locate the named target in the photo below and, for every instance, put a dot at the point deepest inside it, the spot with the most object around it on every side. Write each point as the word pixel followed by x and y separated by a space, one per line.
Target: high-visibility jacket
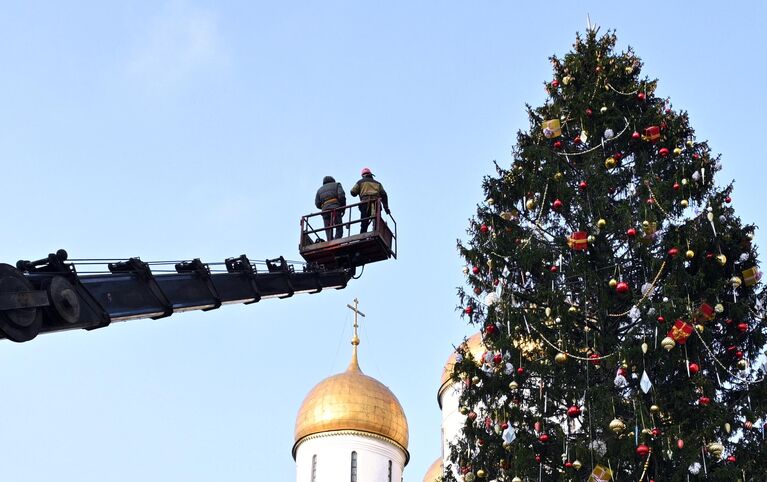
pixel 368 189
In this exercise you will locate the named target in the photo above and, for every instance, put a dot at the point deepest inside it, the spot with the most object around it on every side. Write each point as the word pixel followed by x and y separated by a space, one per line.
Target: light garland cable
pixel 619 92
pixel 601 145
pixel 705 345
pixel 644 296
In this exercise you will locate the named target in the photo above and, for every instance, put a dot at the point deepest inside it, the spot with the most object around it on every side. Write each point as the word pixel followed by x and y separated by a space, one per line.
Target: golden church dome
pixel 434 473
pixel 352 401
pixel 475 346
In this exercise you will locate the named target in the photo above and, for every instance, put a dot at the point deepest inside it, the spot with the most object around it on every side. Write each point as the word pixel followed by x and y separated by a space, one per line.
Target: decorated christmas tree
pixel 617 294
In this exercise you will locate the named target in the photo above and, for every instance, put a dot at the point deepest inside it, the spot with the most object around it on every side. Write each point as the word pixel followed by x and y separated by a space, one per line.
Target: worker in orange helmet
pixel 331 199
pixel 369 190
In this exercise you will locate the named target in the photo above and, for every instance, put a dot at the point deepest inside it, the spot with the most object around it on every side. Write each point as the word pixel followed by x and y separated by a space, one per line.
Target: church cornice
pixel 359 433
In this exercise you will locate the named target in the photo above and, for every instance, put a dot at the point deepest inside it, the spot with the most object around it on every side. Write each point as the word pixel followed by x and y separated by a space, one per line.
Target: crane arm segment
pixel 49 295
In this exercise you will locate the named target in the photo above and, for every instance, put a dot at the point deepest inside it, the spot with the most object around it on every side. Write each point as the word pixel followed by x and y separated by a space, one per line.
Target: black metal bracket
pixel 144 272
pixel 203 271
pixel 279 265
pixel 242 264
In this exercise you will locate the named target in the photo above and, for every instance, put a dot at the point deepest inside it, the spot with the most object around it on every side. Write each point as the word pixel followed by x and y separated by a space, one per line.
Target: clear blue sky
pixel 181 129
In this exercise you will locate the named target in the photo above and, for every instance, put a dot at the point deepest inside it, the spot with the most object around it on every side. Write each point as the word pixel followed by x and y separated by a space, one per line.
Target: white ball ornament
pixel 609 134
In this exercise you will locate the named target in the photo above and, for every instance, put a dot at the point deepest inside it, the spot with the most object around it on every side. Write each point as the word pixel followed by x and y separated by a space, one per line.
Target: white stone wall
pixel 334 451
pixel 452 420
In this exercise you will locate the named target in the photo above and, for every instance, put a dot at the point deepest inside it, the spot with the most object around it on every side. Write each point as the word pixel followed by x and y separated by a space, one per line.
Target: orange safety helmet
pixel 365 171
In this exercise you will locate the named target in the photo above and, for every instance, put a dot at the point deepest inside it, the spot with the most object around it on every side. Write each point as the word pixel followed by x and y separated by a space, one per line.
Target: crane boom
pixel 50 295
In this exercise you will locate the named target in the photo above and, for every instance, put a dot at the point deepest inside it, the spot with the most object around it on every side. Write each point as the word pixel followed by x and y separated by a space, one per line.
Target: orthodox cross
pixel 355 340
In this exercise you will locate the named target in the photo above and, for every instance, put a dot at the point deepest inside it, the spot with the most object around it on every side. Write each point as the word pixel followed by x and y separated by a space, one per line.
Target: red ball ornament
pixel 573 411
pixel 680 444
pixel 650 200
pixel 732 348
pixel 704 401
pixel 731 459
pixel 538 458
pixel 694 368
pixel 617 156
pixel 477 290
pixel 631 232
pixel 544 437
pixel 468 310
pixel 642 450
pixel 484 228
pixel 472 416
pixel 595 359
pixel 568 464
pixel 673 252
pixel 553 269
pixel 490 329
pixel 739 355
pixel 661 320
pixel 663 152
pixel 695 156
pixel 676 186
pixel 589 112
pixel 641 96
pixel 656 432
pixel 520 371
pixel 495 282
pixel 555 83
pixel 504 425
pixel 498 358
pixel 636 136
pixel 558 145
pixel 742 327
pixel 475 270
pixel 583 185
pixel 577 140
pixel 728 199
pixel 556 205
pixel 622 287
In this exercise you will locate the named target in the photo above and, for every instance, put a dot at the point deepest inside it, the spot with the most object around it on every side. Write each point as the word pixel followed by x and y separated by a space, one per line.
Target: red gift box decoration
pixel 705 312
pixel 652 134
pixel 578 241
pixel 680 332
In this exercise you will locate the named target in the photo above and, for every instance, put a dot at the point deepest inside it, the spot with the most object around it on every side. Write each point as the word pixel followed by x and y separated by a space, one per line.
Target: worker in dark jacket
pixel 331 199
pixel 369 190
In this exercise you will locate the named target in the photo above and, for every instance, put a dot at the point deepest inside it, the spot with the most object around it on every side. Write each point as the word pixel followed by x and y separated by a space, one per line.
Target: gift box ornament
pixel 551 128
pixel 705 312
pixel 651 134
pixel 751 276
pixel 578 241
pixel 680 332
pixel 601 474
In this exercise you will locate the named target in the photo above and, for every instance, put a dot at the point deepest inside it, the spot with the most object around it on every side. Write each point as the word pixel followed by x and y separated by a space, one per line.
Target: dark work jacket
pixel 330 196
pixel 368 189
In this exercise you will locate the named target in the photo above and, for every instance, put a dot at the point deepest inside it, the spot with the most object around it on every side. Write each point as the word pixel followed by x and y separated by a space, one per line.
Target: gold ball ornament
pixel 684 181
pixel 719 308
pixel 530 204
pixel 612 283
pixel 558 176
pixel 572 310
pixel 490 201
pixel 469 477
pixel 475 379
pixel 742 364
pixel 727 427
pixel 603 109
pixel 561 358
pixel 654 408
pixel 721 259
pixel 617 426
pixel 677 151
pixel 590 238
pixel 481 473
pixel 689 254
pixel 684 203
pixel 699 328
pixel 736 282
pixel 601 223
pixel 516 479
pixel 667 343
pixel 610 162
pixel 645 347
pixel 567 79
pixel 513 385
pixel 715 448
pixel 464 410
pixel 690 143
pixel 506 216
pixel 577 464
